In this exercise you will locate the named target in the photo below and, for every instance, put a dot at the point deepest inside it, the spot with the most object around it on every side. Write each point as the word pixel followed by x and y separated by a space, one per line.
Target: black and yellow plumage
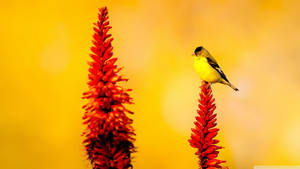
pixel 208 69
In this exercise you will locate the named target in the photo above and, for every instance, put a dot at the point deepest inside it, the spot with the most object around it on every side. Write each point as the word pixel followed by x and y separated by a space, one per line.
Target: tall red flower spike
pixel 109 134
pixel 205 130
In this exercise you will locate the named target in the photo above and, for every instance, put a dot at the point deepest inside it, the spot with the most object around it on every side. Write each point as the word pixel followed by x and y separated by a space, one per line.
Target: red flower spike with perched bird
pixel 109 134
pixel 205 131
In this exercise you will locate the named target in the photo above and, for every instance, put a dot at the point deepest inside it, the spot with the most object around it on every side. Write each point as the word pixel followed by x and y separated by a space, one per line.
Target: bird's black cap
pixel 198 49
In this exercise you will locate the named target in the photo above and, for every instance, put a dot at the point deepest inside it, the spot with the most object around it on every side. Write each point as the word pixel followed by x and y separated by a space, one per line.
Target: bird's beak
pixel 193 54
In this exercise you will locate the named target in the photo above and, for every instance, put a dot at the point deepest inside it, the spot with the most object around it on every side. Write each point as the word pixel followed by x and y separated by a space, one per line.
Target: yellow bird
pixel 208 69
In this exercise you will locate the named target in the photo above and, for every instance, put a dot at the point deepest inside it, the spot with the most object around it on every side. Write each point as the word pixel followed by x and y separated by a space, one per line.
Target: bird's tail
pixel 233 87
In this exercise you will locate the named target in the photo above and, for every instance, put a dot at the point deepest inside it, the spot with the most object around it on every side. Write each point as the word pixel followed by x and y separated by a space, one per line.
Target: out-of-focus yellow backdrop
pixel 44 52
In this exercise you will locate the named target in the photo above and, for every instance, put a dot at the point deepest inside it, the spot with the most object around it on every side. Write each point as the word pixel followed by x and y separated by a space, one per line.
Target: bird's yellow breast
pixel 205 71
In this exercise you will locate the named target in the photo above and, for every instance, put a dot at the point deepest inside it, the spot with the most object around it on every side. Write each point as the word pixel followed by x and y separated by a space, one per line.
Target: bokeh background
pixel 44 52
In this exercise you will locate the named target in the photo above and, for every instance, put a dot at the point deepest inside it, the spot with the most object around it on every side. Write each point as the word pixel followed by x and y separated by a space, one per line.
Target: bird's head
pixel 200 51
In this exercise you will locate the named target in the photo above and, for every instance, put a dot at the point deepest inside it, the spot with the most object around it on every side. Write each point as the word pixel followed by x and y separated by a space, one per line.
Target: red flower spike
pixel 109 134
pixel 204 132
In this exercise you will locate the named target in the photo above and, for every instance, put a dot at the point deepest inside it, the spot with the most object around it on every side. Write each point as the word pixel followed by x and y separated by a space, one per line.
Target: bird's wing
pixel 206 54
pixel 213 63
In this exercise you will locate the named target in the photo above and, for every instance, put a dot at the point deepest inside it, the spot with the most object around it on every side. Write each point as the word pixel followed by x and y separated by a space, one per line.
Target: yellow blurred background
pixel 44 52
